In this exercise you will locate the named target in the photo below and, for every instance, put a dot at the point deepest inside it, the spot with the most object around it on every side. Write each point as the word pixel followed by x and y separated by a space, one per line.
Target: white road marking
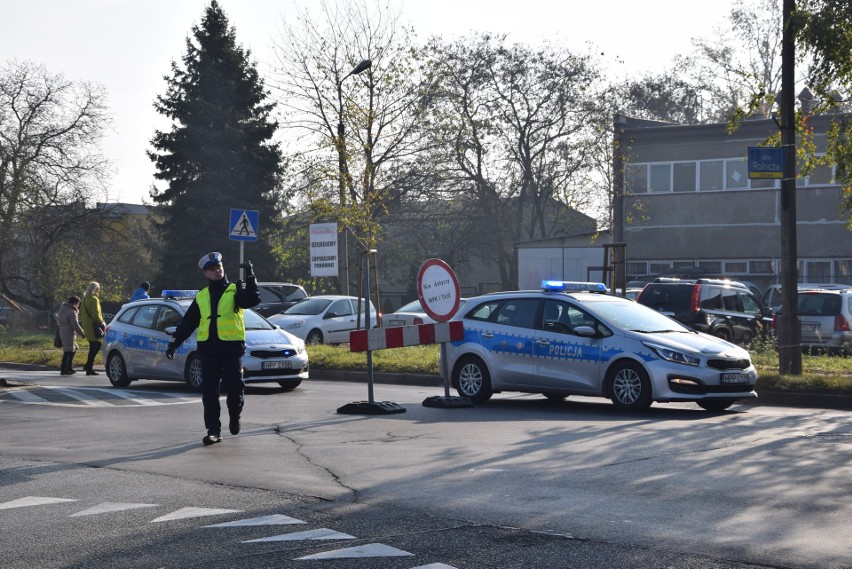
pixel 314 534
pixel 273 520
pixel 111 507
pixel 434 566
pixel 83 399
pixel 192 513
pixel 32 501
pixel 368 550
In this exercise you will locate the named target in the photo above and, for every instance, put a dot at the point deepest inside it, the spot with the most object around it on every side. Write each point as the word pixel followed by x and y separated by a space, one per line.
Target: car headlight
pixel 300 347
pixel 675 356
pixel 296 324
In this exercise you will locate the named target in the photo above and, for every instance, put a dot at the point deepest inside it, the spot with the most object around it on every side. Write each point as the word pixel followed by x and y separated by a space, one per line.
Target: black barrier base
pixel 371 408
pixel 447 402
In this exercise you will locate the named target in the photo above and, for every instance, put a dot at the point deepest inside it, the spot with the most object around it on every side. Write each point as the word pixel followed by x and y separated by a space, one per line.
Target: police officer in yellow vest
pixel 217 312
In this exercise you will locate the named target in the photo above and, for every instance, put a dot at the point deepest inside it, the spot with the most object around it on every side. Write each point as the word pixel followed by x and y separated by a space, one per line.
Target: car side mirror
pixel 170 330
pixel 586 331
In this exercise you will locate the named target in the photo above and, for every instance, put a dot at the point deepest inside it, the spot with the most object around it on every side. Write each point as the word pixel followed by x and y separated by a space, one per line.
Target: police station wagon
pixel 136 340
pixel 575 339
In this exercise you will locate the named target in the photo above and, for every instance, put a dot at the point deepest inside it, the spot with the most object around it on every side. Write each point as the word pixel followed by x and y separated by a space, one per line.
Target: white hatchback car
pixel 565 340
pixel 411 314
pixel 137 337
pixel 325 319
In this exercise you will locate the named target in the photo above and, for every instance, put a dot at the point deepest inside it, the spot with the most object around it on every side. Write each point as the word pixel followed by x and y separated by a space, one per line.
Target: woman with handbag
pixel 68 327
pixel 93 324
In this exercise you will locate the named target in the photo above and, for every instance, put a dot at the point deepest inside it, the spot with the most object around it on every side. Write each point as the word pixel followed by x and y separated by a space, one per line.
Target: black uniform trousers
pixel 228 369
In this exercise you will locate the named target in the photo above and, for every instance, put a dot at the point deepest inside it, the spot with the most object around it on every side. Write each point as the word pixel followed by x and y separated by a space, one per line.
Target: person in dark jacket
pixel 69 327
pixel 217 312
pixel 141 293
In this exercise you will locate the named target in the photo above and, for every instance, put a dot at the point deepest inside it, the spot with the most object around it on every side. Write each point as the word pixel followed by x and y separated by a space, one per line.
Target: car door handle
pixel 488 335
pixel 542 343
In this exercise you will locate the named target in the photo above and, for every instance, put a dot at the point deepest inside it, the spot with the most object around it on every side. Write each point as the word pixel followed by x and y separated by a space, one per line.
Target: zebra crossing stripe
pixel 434 566
pixel 27 397
pixel 367 550
pixel 273 520
pixel 107 507
pixel 128 396
pixel 314 534
pixel 87 401
pixel 32 501
pixel 184 513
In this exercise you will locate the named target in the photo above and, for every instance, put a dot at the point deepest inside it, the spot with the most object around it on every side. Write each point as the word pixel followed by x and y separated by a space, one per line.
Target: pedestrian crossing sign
pixel 244 225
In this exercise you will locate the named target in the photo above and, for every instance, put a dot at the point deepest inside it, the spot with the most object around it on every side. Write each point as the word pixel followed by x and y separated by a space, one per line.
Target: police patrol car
pixel 136 340
pixel 573 338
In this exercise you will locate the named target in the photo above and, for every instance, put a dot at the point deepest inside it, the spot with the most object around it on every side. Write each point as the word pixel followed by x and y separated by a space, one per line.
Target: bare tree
pixel 507 134
pixel 353 127
pixel 51 168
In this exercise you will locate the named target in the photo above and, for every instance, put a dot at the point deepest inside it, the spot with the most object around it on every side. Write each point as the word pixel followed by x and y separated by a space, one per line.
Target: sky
pixel 128 46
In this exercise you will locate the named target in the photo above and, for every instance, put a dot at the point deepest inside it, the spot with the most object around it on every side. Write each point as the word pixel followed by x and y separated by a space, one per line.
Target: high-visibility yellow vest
pixel 229 321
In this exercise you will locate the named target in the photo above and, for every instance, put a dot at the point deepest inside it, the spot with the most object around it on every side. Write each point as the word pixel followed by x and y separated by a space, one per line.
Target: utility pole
pixel 790 332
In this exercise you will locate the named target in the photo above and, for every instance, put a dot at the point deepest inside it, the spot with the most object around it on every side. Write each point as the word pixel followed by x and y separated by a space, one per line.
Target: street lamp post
pixel 343 168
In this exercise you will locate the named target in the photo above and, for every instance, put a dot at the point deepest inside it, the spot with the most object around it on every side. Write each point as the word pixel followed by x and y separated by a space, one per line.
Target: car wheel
pixel 289 385
pixel 629 387
pixel 472 379
pixel 192 373
pixel 714 406
pixel 314 337
pixel 722 334
pixel 117 370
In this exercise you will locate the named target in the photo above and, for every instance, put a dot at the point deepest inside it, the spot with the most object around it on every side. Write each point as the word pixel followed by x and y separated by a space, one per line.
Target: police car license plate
pixel 735 378
pixel 282 364
pixel 396 322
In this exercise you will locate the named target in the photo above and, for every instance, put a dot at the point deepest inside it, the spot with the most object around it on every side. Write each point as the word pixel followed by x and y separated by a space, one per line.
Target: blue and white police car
pixel 573 338
pixel 137 337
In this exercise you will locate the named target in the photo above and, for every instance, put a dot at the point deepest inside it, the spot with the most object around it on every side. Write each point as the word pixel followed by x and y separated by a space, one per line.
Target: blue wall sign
pixel 765 162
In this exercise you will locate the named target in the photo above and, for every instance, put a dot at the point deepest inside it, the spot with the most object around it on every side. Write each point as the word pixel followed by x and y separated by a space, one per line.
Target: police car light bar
pixel 572 286
pixel 168 293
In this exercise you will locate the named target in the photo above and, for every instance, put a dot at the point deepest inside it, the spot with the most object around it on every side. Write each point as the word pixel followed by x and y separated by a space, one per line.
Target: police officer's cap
pixel 209 259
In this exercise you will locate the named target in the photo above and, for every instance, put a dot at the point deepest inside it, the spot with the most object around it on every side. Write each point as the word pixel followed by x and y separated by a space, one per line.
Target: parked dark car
pixel 725 309
pixel 278 297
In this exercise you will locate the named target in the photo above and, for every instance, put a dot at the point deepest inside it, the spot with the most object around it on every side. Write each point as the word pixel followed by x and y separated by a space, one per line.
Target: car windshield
pixel 628 315
pixel 309 306
pixel 413 306
pixel 255 322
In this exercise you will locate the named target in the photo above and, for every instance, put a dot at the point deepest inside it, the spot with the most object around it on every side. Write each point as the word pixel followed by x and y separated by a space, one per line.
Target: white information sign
pixel 438 290
pixel 323 249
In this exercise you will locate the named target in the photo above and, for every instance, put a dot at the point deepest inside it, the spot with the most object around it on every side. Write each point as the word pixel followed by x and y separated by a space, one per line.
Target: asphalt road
pixel 94 476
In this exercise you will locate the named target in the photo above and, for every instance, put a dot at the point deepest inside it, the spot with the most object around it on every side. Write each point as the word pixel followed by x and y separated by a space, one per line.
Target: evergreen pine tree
pixel 218 155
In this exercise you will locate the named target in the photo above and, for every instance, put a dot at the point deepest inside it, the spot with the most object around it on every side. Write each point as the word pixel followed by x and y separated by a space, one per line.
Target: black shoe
pixel 211 439
pixel 70 371
pixel 64 372
pixel 91 372
pixel 234 425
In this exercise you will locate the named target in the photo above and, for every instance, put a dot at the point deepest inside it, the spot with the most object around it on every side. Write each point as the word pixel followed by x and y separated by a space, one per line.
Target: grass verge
pixel 820 373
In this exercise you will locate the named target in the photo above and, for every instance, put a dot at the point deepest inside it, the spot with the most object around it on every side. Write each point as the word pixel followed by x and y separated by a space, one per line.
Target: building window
pixel 637 268
pixel 761 267
pixel 710 175
pixel 660 268
pixel 684 177
pixel 711 266
pixel 636 178
pixel 843 271
pixel 820 176
pixel 736 174
pixel 661 178
pixel 736 267
pixel 817 271
pixel 763 183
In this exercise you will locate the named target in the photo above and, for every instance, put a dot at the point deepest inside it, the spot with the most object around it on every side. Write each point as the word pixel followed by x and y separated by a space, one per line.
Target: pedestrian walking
pixel 141 293
pixel 93 324
pixel 69 327
pixel 217 312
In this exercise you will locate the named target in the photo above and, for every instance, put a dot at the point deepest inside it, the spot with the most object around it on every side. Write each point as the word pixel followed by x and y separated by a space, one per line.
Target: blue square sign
pixel 244 225
pixel 766 162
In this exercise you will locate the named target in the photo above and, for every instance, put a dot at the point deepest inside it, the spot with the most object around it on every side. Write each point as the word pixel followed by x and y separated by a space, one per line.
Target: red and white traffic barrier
pixel 398 337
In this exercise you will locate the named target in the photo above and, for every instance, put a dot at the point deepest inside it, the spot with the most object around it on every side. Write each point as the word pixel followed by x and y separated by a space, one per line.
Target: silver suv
pixel 825 316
